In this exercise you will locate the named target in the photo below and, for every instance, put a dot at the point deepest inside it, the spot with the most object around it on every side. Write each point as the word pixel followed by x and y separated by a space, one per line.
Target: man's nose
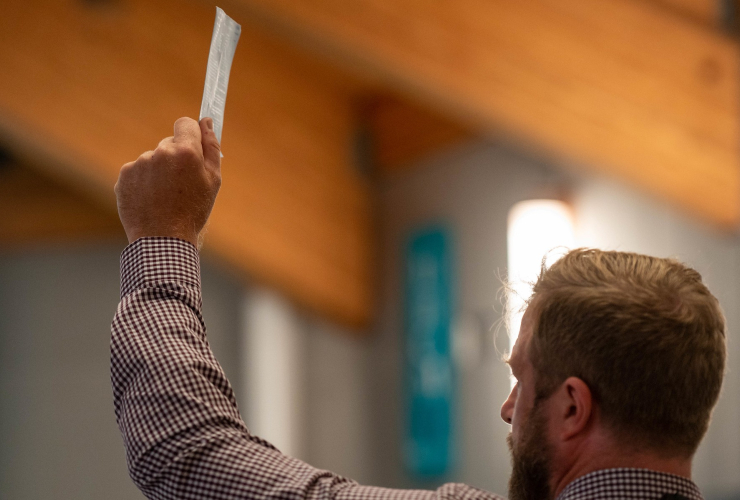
pixel 507 409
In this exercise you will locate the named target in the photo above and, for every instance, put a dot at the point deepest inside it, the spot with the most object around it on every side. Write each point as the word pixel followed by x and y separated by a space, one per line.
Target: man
pixel 619 363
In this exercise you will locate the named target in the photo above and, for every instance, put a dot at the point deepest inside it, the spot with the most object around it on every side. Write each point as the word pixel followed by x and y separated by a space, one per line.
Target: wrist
pixel 194 243
pixel 151 233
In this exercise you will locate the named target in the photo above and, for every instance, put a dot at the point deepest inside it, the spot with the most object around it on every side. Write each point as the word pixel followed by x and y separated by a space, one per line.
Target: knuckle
pixel 124 171
pixel 144 157
pixel 164 142
pixel 185 153
pixel 165 149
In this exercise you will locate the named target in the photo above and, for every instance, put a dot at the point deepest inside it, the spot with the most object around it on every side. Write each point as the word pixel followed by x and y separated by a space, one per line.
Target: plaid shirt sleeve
pixel 176 410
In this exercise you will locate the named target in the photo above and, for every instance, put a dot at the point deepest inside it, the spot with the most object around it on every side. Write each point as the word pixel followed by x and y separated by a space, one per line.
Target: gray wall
pixel 58 436
pixel 339 426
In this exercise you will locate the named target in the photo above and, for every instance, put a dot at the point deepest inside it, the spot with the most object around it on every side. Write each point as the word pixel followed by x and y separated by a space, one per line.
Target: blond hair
pixel 644 333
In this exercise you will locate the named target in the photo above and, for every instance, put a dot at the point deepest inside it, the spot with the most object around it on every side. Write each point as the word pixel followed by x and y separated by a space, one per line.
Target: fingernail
pixel 209 123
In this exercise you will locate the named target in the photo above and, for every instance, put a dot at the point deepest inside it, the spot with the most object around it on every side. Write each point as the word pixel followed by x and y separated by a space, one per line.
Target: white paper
pixel 223 44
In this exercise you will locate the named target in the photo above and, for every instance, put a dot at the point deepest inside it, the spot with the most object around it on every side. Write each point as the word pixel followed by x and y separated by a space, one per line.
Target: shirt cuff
pixel 154 260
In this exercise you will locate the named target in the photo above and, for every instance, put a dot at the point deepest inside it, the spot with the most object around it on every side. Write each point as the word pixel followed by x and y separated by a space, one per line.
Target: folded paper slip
pixel 226 33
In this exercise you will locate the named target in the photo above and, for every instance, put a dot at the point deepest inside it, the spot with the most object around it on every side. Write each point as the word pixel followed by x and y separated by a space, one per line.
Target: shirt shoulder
pixel 634 483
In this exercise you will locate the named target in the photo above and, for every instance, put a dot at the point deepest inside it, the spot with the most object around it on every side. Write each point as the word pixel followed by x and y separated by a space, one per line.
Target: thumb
pixel 211 147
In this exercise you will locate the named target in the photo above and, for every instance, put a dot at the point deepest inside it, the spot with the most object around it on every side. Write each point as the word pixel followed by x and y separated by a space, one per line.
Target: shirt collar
pixel 635 484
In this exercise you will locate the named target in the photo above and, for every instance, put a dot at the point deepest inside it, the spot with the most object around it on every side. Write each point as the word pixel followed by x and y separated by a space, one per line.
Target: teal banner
pixel 428 360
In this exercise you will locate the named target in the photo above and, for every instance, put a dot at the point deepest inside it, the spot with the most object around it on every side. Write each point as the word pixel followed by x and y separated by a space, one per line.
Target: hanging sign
pixel 427 354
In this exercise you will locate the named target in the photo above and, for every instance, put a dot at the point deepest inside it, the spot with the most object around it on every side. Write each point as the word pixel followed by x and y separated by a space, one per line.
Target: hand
pixel 170 191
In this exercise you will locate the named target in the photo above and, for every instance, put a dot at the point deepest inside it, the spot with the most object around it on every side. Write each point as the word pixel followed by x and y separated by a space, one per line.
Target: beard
pixel 531 460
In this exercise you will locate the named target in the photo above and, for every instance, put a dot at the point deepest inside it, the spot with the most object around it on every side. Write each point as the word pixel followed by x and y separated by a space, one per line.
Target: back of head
pixel 644 333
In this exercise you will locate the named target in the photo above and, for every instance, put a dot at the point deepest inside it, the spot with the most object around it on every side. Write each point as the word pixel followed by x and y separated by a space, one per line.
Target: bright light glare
pixel 536 228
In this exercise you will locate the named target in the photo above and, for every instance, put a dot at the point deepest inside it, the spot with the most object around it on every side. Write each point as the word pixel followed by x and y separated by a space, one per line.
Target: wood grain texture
pixel 87 87
pixel 620 87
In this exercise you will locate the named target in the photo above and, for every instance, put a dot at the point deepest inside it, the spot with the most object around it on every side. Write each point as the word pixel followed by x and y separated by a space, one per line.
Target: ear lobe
pixel 574 408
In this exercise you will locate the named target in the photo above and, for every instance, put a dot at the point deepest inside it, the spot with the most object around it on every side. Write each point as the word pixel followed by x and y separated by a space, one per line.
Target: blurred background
pixel 383 159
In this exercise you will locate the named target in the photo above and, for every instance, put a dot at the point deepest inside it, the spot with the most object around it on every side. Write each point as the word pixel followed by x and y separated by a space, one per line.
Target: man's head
pixel 637 341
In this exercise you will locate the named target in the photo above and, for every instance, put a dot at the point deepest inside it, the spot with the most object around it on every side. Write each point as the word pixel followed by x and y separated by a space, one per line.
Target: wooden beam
pixel 620 87
pixel 87 86
pixel 706 12
pixel 36 209
pixel 403 133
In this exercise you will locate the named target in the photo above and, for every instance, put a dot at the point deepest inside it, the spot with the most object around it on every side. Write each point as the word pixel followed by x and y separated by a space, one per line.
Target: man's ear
pixel 572 409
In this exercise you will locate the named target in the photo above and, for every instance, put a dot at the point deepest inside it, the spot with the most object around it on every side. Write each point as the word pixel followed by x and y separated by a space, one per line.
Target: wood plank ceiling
pixel 643 90
pixel 624 87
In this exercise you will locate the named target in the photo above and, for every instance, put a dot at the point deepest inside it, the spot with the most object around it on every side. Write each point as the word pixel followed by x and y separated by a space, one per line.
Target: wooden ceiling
pixel 642 90
pixel 625 87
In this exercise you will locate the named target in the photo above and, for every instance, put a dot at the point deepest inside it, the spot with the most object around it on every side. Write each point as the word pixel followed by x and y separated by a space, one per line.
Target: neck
pixel 598 454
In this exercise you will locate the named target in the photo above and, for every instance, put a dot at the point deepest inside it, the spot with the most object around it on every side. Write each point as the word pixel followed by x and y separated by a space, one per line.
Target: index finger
pixel 187 130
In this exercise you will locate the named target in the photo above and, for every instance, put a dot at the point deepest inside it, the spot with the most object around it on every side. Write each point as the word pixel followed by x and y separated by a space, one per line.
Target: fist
pixel 170 191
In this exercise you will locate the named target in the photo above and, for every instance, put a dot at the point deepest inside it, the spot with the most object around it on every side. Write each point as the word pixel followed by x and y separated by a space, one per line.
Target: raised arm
pixel 177 413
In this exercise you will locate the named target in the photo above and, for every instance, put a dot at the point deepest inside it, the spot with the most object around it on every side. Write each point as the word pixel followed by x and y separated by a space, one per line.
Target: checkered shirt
pixel 181 428
pixel 632 484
